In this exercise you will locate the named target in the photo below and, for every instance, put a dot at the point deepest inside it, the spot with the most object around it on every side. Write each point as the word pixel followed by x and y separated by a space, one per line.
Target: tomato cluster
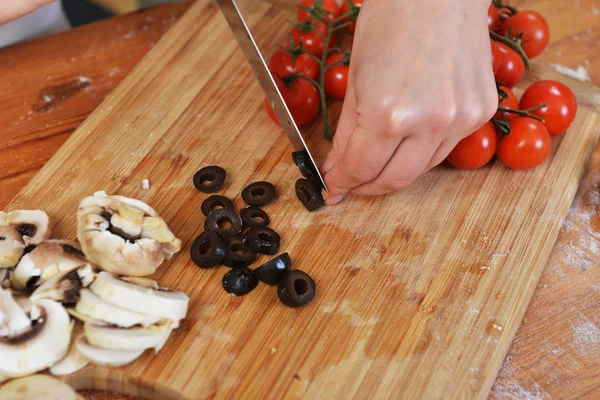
pixel 311 69
pixel 520 132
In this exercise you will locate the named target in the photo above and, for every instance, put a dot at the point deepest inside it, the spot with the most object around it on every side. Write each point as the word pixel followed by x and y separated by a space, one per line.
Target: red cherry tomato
pixel 281 64
pixel 301 98
pixel 332 8
pixel 475 150
pixel 533 26
pixel 561 105
pixel 497 56
pixel 306 35
pixel 336 78
pixel 513 67
pixel 527 146
pixel 511 103
pixel 345 8
pixel 493 18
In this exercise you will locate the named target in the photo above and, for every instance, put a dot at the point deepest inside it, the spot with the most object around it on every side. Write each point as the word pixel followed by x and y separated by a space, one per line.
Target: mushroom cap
pixel 13 319
pixel 46 260
pixel 34 225
pixel 141 297
pixel 37 387
pixel 123 235
pixel 11 247
pixel 134 338
pixel 105 357
pixel 39 347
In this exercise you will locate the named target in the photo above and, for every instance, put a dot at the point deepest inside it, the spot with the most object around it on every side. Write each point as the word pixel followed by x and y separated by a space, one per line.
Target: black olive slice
pixel 258 193
pixel 239 281
pixel 296 289
pixel 216 202
pixel 273 271
pixel 209 249
pixel 209 179
pixel 239 256
pixel 262 240
pixel 305 165
pixel 254 217
pixel 226 222
pixel 309 193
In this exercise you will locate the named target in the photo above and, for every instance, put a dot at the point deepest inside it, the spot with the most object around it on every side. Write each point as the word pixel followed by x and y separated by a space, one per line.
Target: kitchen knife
pixel 261 71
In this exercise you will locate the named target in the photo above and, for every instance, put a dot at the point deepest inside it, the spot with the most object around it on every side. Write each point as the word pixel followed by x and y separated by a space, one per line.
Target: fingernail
pixel 330 201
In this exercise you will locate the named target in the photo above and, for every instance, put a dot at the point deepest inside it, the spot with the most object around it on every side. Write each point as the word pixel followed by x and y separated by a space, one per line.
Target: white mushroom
pixel 141 296
pixel 99 309
pixel 65 286
pixel 135 338
pixel 46 260
pixel 105 357
pixel 13 319
pixel 38 387
pixel 39 347
pixel 78 315
pixel 19 229
pixel 73 361
pixel 124 236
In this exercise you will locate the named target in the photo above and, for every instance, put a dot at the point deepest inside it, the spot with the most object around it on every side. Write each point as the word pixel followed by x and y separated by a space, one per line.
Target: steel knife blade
pixel 250 49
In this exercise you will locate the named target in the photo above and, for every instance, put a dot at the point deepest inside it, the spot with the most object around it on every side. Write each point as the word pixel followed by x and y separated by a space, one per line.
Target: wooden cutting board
pixel 419 292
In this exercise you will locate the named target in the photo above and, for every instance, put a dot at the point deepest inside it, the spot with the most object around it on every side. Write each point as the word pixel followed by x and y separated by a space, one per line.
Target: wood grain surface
pixel 415 298
pixel 565 365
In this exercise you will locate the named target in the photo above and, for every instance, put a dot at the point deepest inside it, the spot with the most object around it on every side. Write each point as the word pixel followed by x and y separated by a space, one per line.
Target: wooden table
pixel 49 86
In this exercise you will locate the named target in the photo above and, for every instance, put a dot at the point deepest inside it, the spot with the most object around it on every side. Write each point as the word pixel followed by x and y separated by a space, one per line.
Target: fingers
pixel 11 9
pixel 442 152
pixel 409 160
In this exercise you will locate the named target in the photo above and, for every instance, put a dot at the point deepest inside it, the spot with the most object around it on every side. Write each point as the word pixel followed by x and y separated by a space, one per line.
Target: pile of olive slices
pixel 65 304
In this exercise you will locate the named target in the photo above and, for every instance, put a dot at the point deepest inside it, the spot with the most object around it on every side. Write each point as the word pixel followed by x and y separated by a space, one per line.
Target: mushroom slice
pixel 97 308
pixel 4 274
pixel 78 315
pixel 38 387
pixel 129 293
pixel 11 246
pixel 73 361
pixel 105 357
pixel 33 225
pixel 65 286
pixel 39 347
pixel 124 236
pixel 134 338
pixel 13 319
pixel 46 260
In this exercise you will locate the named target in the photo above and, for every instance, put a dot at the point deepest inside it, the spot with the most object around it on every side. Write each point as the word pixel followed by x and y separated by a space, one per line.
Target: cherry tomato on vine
pixel 533 26
pixel 306 34
pixel 561 105
pixel 336 77
pixel 301 98
pixel 527 146
pixel 493 18
pixel 345 8
pixel 330 6
pixel 513 67
pixel 475 150
pixel 497 57
pixel 281 64
pixel 511 103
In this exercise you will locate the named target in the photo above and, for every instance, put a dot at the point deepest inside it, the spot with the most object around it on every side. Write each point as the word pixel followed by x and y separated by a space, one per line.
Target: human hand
pixel 13 9
pixel 420 81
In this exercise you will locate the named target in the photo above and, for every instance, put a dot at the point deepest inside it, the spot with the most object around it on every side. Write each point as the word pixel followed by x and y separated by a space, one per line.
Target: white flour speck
pixel 595 10
pixel 146 184
pixel 273 350
pixel 580 73
pixel 586 337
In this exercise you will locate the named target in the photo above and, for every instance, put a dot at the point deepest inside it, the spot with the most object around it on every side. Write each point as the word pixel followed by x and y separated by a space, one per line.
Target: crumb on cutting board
pixel 146 184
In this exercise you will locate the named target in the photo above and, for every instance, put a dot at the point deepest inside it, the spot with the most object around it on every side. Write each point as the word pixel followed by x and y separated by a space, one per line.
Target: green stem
pixel 513 44
pixel 525 113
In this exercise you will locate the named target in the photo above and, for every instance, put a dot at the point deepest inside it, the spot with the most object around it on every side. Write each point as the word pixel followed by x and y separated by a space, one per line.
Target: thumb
pixel 11 9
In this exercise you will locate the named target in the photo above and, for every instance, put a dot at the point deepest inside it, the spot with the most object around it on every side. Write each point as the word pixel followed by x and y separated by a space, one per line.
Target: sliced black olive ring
pixel 296 289
pixel 239 256
pixel 305 165
pixel 239 281
pixel 254 217
pixel 309 193
pixel 226 222
pixel 216 202
pixel 273 271
pixel 209 249
pixel 258 193
pixel 209 179
pixel 262 240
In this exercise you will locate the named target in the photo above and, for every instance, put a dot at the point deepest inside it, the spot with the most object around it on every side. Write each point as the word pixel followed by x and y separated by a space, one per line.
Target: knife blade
pixel 244 37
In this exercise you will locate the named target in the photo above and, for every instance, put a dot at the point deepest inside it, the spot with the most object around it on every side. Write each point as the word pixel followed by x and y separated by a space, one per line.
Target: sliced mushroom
pixel 33 225
pixel 94 307
pixel 46 260
pixel 4 275
pixel 134 338
pixel 23 300
pixel 142 298
pixel 65 286
pixel 13 319
pixel 39 347
pixel 105 357
pixel 73 361
pixel 78 315
pixel 38 387
pixel 124 236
